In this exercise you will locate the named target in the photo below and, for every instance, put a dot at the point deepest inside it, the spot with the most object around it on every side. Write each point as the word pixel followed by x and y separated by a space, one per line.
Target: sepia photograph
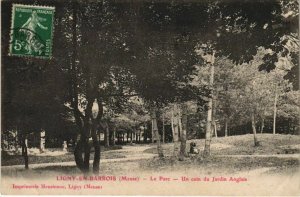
pixel 150 97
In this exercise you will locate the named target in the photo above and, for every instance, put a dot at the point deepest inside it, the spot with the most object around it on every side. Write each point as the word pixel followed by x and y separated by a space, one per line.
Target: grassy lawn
pixel 233 145
pixel 221 165
pixel 271 146
pixel 277 166
pixel 7 160
pixel 244 145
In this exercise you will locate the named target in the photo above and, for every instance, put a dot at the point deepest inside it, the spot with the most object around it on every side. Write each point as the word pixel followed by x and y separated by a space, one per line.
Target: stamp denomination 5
pixel 31 31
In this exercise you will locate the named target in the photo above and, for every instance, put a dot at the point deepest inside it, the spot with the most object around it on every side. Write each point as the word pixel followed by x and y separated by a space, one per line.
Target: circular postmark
pixel 27 42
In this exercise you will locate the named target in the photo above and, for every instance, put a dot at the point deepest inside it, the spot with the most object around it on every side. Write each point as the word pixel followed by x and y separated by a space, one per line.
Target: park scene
pixel 145 89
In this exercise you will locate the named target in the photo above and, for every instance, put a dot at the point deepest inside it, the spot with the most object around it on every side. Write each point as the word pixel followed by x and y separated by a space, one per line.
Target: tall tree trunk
pixel 152 136
pixel 87 134
pixel 95 134
pixel 137 136
pixel 163 129
pixel 226 127
pixel 275 111
pixel 208 130
pixel 81 141
pixel 209 114
pixel 106 135
pixel 144 134
pixel 114 136
pixel 262 125
pixel 96 144
pixel 214 111
pixel 78 152
pixel 179 122
pixel 24 150
pixel 131 136
pixel 215 129
pixel 155 131
pixel 83 145
pixel 134 136
pixel 87 152
pixel 183 133
pixel 256 143
pixel 119 138
pixel 175 129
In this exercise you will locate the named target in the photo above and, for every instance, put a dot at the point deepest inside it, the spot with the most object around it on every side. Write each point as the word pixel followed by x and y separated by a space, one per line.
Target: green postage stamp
pixel 31 31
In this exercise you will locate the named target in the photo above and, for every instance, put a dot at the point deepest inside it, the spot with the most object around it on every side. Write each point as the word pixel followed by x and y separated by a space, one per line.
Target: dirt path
pixel 130 153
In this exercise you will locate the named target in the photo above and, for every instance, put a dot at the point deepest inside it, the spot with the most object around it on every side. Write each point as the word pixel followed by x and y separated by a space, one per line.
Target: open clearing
pixel 274 165
pixel 243 145
pixel 278 154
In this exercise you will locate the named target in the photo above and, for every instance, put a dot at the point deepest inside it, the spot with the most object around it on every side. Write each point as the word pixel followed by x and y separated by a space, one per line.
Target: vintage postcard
pixel 150 97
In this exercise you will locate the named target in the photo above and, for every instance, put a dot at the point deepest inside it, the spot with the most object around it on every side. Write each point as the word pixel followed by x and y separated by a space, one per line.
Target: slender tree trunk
pixel 113 137
pixel 131 137
pixel 152 136
pixel 215 129
pixel 78 152
pixel 179 122
pixel 155 131
pixel 145 136
pixel 81 140
pixel 83 146
pixel 87 133
pixel 118 138
pixel 226 127
pixel 275 111
pixel 163 129
pixel 96 139
pixel 175 131
pixel 136 136
pixel 214 111
pixel 24 150
pixel 262 125
pixel 106 135
pixel 208 131
pixel 183 133
pixel 256 143
pixel 96 144
pixel 172 123
pixel 87 152
pixel 209 114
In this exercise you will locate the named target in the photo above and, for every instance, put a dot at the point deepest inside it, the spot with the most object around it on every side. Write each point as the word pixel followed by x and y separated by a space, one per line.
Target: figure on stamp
pixel 30 28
